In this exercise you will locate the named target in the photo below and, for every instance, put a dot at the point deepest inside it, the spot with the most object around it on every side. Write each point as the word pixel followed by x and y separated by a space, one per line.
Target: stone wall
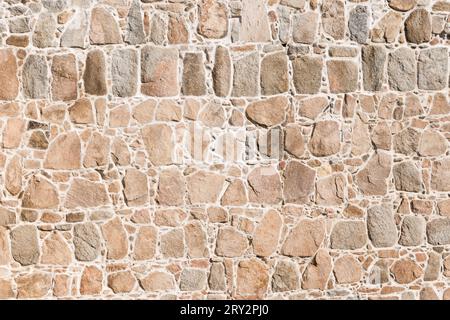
pixel 212 149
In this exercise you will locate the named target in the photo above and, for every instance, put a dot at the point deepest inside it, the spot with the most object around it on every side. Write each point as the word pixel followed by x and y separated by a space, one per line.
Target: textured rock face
pixel 224 149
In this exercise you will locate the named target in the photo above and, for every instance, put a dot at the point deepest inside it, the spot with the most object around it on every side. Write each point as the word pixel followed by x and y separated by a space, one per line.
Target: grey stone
pixel 349 235
pixel 193 81
pixel 19 25
pixel 438 232
pixel 55 5
pixel 246 76
pixel 25 245
pixel 285 277
pixel 221 72
pixel 357 24
pixel 406 141
pixel 35 77
pixel 407 177
pixel 381 226
pixel 75 34
pixel 44 31
pixel 413 231
pixel 158 29
pixel 307 74
pixel 429 76
pixel 124 72
pixel 433 269
pixel 135 26
pixel 193 280
pixel 402 69
pixel 216 279
pixel 86 240
pixel 373 61
pixel 274 74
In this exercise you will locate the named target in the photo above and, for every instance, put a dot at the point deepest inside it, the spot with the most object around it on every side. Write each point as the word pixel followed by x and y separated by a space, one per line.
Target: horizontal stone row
pixel 80 25
pixel 248 75
pixel 110 240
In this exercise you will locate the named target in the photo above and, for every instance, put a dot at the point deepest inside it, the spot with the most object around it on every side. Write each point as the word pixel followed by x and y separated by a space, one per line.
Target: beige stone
pixel 91 281
pixel 268 113
pixel 56 251
pixel 318 271
pixel 64 152
pixel 86 194
pixel 325 140
pixel 135 187
pixel 304 239
pixel 231 242
pixel 121 282
pixel 116 239
pixel 196 240
pixel 158 281
pixel 145 244
pixel 171 187
pixel 172 243
pixel 330 191
pixel 252 278
pixel 8 75
pixel 204 187
pixel 347 270
pixel 265 185
pixel 40 194
pixel 158 143
pixel 104 28
pixel 34 285
pixel 371 180
pixel 406 271
pixel 13 175
pixel 267 234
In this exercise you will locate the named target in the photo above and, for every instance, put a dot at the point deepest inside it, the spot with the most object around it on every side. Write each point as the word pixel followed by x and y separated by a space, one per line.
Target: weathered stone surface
pixel 265 185
pixel 193 280
pixel 8 75
pixel 86 194
pixel 34 285
pixel 312 107
pixel 333 18
pixel 44 31
pixel 195 236
pixel 178 32
pixel 430 77
pixel 97 151
pixel 361 143
pixel 115 239
pixel 6 290
pixel 358 24
pixel 135 26
pixel 12 133
pixel 325 140
pixel 269 112
pixel 157 281
pixel 298 182
pixel 413 231
pixel 402 69
pixel 440 176
pixel 95 73
pixel 432 144
pixel 381 226
pixel 438 231
pixel 294 142
pixel 159 69
pixel 407 177
pixel 145 244
pixel 104 28
pixel 13 175
pixel 216 279
pixel 119 152
pixel 221 72
pixel 171 187
pixel 318 271
pixel 86 240
pixel 246 76
pixel 40 194
pixel 331 190
pixel 135 187
pixel 25 245
pixel 81 112
pixel 274 74
pixel 402 5
pixel 193 75
pixel 433 270
pixel 34 77
pixel 304 27
pixel 75 33
pixel 347 270
pixel 172 243
pixel 7 217
pixel 348 235
pixel 121 282
pixel 304 239
pixel 252 278
pixel 267 234
pixel 286 277
pixel 307 74
pixel 91 281
pixel 406 271
pixel 64 152
pixel 158 143
pixel 235 194
pixel 373 62
pixel 418 26
pixel 204 187
pixel 213 19
pixel 254 25
pixel 231 242
pixel 64 77
pixel 406 141
pixel 371 180
pixel 388 28
pixel 124 72
pixel 56 251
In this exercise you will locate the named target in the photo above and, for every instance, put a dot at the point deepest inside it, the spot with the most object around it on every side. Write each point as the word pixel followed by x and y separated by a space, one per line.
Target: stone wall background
pixel 211 149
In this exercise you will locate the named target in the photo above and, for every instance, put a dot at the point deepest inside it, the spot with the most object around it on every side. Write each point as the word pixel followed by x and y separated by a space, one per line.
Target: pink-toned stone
pixel 8 75
pixel 252 278
pixel 116 239
pixel 304 239
pixel 267 234
pixel 64 152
